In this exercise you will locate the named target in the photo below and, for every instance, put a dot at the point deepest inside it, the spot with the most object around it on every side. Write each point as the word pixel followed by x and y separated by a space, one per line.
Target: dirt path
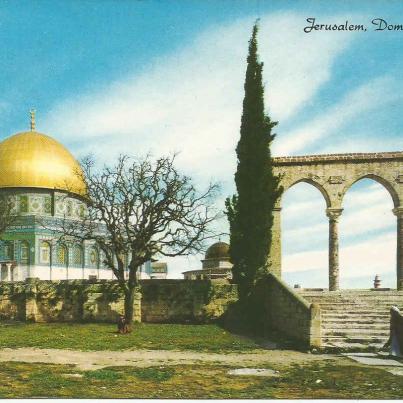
pixel 90 360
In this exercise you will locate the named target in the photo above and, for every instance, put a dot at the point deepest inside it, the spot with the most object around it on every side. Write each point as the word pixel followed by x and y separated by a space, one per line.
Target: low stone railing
pixel 288 313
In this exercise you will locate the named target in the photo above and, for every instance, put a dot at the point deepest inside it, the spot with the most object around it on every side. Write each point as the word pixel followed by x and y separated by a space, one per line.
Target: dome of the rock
pixel 35 160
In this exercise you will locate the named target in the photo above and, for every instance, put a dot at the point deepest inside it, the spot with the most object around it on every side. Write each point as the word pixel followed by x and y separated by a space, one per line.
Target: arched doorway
pixel 304 233
pixel 367 234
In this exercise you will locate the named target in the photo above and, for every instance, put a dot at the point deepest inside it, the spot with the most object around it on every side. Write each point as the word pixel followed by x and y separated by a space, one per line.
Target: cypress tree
pixel 250 211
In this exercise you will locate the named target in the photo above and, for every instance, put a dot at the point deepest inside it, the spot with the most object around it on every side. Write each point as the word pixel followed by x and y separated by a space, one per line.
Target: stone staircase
pixel 354 319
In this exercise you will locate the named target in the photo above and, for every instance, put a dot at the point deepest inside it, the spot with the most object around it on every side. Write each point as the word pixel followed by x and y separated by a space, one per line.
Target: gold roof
pixel 32 159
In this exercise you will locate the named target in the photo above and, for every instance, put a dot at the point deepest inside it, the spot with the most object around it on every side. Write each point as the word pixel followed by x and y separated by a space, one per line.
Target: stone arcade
pixel 333 175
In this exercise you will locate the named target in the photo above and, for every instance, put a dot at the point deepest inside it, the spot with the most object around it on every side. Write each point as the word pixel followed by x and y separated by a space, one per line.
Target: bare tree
pixel 141 208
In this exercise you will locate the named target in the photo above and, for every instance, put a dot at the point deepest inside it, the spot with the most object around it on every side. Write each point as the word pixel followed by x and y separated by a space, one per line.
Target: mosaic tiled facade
pixel 30 248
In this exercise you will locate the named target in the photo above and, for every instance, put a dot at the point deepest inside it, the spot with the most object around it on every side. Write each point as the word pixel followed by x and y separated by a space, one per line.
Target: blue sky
pixel 165 76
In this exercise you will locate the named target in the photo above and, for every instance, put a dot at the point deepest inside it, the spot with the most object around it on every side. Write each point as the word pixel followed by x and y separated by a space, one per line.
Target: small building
pixel 215 265
pixel 153 270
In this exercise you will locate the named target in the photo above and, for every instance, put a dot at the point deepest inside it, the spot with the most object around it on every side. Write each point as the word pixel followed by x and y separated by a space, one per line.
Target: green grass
pixel 152 373
pixel 103 374
pixel 338 380
pixel 87 337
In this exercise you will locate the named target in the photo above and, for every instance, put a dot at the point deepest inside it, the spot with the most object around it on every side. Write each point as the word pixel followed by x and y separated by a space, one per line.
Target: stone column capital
pixel 334 213
pixel 398 212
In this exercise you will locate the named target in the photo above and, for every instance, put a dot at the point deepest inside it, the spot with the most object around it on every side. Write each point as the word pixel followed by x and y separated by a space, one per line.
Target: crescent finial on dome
pixel 32 114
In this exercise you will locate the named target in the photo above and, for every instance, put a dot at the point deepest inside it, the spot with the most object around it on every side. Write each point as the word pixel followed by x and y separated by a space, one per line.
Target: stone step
pixel 342 345
pixel 356 303
pixel 355 320
pixel 355 313
pixel 369 313
pixel 374 302
pixel 355 332
pixel 338 316
pixel 355 298
pixel 348 293
pixel 354 308
pixel 356 325
pixel 383 304
pixel 369 321
pixel 356 339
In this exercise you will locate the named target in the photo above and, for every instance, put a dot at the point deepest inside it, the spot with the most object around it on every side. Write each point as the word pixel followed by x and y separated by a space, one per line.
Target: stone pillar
pixel 274 262
pixel 333 215
pixel 399 247
pixel 8 271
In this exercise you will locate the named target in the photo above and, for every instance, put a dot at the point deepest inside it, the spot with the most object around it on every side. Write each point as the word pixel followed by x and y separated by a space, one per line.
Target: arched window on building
pixel 77 256
pixel 24 252
pixel 61 255
pixel 44 253
pixel 93 257
pixel 8 251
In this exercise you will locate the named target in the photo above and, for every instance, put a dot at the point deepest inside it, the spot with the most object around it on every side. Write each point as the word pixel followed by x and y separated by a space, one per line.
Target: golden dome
pixel 35 160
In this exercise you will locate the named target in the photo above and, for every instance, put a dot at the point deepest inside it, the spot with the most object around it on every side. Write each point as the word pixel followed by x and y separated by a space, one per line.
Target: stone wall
pixel 64 301
pixel 158 301
pixel 182 301
pixel 288 313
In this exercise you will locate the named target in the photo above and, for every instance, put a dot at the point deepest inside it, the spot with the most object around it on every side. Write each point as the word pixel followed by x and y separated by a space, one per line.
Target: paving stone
pixel 395 371
pixel 368 360
pixel 253 371
pixel 72 375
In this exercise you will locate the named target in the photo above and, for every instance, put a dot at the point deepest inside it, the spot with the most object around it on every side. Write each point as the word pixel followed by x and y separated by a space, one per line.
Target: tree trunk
pixel 129 304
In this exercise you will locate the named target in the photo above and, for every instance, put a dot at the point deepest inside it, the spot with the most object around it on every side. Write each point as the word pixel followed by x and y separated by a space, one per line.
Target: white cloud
pixel 376 256
pixel 190 101
pixel 374 94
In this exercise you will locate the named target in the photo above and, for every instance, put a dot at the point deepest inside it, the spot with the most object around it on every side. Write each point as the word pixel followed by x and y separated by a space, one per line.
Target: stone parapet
pixel 287 312
pixel 347 157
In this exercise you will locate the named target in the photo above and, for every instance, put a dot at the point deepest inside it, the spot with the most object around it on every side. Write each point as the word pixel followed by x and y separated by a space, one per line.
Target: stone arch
pixel 8 250
pixel 313 207
pixel 77 256
pixel 25 253
pixel 93 257
pixel 333 175
pixel 309 181
pixel 61 255
pixel 382 181
pixel 45 253
pixel 389 194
